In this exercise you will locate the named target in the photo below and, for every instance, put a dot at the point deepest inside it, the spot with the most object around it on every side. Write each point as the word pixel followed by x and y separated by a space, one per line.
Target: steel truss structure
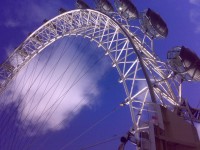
pixel 146 79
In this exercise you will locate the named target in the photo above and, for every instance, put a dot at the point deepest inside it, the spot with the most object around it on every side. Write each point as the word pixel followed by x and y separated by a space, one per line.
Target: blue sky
pixel 20 17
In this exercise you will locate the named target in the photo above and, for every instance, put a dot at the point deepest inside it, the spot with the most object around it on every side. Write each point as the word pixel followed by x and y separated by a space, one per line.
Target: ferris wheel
pixel 127 38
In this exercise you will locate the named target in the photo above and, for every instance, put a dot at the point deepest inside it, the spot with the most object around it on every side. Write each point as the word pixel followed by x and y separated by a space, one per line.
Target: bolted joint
pixel 106 52
pixel 121 79
pixel 114 64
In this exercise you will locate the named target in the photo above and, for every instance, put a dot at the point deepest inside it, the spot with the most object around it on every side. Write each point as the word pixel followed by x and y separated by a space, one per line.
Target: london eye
pixel 47 70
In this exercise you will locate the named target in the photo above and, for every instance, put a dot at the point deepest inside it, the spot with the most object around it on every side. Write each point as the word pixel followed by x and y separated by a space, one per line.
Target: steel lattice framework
pixel 145 78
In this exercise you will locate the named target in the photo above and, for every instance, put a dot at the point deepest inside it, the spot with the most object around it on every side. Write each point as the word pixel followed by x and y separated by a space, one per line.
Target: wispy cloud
pixel 195 2
pixel 11 23
pixel 64 99
pixel 26 13
pixel 35 111
pixel 195 19
pixel 195 14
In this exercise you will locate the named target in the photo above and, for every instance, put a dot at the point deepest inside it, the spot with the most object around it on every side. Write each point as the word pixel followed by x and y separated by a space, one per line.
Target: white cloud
pixel 35 111
pixel 27 13
pixel 24 15
pixel 195 2
pixel 195 19
pixel 195 14
pixel 11 23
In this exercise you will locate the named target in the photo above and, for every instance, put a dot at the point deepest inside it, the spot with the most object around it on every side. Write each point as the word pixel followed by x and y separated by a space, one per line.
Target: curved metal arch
pixel 129 52
pixel 63 25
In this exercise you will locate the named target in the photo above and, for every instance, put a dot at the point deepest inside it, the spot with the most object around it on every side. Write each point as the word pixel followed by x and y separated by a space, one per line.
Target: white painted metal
pixel 129 49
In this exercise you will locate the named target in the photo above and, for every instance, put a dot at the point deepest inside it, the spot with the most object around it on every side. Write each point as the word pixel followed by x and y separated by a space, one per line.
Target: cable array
pixel 20 94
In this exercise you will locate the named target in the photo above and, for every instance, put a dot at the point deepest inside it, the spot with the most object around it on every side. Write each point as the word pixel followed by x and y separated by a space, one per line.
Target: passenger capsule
pixel 126 9
pixel 80 4
pixel 153 25
pixel 104 6
pixel 185 62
